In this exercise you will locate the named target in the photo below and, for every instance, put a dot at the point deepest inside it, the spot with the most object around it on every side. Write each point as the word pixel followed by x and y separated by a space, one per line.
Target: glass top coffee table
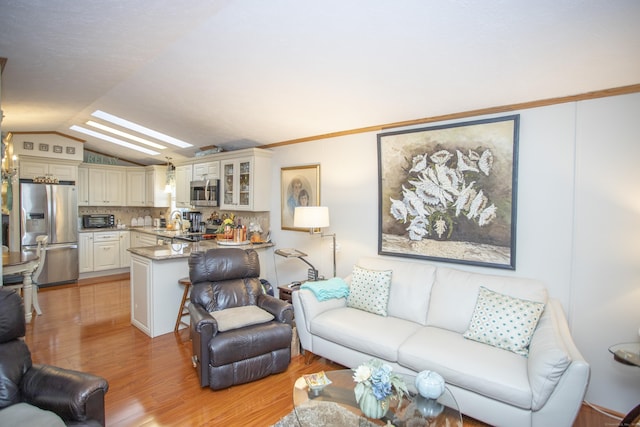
pixel 335 405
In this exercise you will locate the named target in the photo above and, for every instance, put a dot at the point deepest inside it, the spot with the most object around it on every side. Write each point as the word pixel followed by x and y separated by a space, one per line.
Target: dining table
pixel 25 263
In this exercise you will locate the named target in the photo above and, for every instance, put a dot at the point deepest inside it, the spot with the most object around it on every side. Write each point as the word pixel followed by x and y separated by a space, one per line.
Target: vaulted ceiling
pixel 252 72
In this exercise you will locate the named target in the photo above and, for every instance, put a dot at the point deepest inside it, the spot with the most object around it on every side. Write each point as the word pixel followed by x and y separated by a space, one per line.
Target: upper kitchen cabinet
pixel 136 187
pixel 59 169
pixel 145 186
pixel 156 181
pixel 184 175
pixel 83 185
pixel 246 180
pixel 107 186
pixel 207 170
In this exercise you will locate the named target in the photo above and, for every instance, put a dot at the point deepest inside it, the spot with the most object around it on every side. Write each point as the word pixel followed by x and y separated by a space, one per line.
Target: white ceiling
pixel 238 73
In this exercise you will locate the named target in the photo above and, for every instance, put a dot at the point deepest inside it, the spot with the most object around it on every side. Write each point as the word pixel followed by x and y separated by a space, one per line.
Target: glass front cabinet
pixel 245 183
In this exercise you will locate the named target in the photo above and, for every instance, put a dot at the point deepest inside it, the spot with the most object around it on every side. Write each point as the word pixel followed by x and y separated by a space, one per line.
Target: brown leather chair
pixel 32 394
pixel 231 349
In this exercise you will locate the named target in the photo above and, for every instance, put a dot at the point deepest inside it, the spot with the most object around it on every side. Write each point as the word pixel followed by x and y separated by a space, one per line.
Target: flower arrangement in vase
pixel 376 386
pixel 225 230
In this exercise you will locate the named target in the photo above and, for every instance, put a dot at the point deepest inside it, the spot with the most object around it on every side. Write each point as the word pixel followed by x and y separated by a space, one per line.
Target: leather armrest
pixel 73 395
pixel 281 310
pixel 203 328
pixel 202 321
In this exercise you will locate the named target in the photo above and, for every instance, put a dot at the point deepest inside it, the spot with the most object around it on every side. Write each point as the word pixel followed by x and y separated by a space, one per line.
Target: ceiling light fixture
pixel 140 129
pixel 125 135
pixel 113 140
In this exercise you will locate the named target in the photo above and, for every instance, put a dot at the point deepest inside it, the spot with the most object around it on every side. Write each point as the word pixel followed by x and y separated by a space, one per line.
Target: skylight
pixel 113 140
pixel 125 135
pixel 140 129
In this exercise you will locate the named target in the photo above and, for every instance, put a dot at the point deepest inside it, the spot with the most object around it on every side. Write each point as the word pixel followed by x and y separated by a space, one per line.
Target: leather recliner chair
pixel 29 393
pixel 224 279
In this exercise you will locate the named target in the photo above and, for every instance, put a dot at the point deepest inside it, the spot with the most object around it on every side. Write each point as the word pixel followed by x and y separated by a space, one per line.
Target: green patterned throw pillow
pixel 369 290
pixel 504 321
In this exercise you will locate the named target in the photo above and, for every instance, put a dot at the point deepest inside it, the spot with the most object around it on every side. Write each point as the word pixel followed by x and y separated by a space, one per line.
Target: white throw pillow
pixel 504 321
pixel 369 290
pixel 239 317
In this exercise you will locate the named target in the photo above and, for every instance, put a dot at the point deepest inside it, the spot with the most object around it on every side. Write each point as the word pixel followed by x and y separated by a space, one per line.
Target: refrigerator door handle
pixel 62 246
pixel 52 247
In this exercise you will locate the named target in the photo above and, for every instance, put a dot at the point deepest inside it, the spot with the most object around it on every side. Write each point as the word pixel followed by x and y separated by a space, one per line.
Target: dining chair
pixel 14 281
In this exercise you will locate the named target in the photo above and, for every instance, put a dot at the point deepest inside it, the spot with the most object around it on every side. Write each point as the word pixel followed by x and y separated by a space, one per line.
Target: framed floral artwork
pixel 448 192
pixel 299 186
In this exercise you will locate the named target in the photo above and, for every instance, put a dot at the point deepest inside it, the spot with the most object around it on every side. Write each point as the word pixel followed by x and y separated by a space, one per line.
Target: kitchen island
pixel 155 292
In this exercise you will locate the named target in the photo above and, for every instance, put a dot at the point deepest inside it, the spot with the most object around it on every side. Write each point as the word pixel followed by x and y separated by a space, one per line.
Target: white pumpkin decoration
pixel 430 384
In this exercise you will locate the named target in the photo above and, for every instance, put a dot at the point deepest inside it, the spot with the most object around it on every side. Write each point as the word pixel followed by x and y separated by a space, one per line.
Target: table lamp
pixel 315 218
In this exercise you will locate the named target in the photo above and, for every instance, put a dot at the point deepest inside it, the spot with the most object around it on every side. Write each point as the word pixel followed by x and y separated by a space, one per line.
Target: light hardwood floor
pixel 151 381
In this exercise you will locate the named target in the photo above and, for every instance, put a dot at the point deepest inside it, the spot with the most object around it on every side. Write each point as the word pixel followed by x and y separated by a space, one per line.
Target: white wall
pixel 606 260
pixel 578 220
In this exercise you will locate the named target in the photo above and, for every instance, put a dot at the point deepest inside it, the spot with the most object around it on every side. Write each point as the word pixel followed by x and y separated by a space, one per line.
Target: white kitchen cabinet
pixel 141 279
pixel 155 293
pixel 246 183
pixel 85 252
pixel 125 243
pixel 63 171
pixel 206 170
pixel 139 239
pixel 82 185
pixel 136 187
pixel 106 251
pixel 183 183
pixel 107 186
pixel 156 180
pixel 147 240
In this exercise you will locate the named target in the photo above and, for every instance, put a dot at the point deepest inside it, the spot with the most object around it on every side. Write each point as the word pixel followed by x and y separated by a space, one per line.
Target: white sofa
pixel 429 309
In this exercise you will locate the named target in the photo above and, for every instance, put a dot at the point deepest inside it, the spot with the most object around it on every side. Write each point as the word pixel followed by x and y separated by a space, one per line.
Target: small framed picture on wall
pixel 299 186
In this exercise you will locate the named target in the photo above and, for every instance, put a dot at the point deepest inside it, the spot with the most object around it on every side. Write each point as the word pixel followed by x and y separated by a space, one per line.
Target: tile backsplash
pixel 126 214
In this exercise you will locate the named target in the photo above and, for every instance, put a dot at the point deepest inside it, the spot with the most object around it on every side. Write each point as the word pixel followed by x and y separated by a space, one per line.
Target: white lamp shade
pixel 311 217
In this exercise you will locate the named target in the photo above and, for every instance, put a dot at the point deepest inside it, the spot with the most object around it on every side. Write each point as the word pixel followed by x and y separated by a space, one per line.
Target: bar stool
pixel 184 305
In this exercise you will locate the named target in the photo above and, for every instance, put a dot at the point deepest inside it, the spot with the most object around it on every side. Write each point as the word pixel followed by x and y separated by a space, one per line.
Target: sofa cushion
pixel 480 368
pixel 503 321
pixel 410 286
pixel 369 290
pixel 363 331
pixel 239 317
pixel 23 414
pixel 454 295
pixel 548 359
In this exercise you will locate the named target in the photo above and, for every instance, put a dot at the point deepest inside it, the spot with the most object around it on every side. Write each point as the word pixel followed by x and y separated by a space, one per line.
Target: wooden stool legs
pixel 184 305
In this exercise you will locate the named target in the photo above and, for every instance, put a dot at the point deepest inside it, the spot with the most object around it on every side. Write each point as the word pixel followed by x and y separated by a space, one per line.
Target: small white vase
pixel 430 384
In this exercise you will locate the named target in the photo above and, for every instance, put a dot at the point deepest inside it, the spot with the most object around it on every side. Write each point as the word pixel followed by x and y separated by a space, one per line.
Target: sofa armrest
pixel 202 329
pixel 281 310
pixel 306 307
pixel 202 321
pixel 562 405
pixel 74 396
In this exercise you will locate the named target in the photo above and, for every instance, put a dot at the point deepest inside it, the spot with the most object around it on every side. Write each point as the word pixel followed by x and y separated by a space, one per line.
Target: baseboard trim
pixel 100 279
pixel 591 415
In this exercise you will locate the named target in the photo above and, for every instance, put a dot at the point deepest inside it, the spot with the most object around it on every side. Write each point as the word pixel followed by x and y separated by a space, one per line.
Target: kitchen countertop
pixel 161 232
pixel 184 249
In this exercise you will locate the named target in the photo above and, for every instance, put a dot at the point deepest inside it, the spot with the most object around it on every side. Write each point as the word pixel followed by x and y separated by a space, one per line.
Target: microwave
pixel 98 221
pixel 205 192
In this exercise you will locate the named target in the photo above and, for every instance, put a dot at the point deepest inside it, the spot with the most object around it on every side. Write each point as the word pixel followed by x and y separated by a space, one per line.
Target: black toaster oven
pixel 98 221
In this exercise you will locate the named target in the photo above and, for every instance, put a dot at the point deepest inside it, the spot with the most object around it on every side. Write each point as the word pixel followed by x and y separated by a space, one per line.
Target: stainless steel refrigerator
pixel 51 209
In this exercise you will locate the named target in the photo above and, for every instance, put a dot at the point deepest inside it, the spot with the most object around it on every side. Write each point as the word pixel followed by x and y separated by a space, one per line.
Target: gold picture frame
pixel 299 186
